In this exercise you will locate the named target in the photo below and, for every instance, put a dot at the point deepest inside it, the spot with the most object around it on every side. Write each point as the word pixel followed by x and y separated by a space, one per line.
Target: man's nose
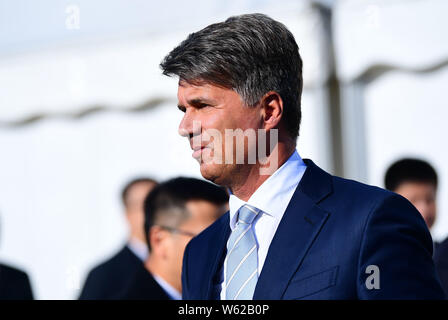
pixel 189 125
pixel 185 126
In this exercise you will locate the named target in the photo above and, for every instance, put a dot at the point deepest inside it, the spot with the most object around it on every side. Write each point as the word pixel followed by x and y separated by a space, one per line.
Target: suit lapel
pixel 212 261
pixel 299 227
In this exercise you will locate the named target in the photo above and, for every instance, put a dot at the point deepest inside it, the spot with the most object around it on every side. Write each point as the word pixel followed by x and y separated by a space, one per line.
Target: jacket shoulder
pixel 122 259
pixel 363 199
pixel 14 284
pixel 11 272
pixel 360 189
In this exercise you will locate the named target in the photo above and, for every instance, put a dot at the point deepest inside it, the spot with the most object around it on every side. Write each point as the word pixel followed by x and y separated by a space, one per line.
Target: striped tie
pixel 242 258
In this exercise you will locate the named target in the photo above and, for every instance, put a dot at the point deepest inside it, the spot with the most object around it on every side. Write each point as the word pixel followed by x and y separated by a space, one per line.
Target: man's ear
pixel 157 235
pixel 272 110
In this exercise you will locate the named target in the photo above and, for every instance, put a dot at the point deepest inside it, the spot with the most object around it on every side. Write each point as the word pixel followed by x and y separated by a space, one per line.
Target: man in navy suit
pixel 109 278
pixel 293 231
pixel 175 211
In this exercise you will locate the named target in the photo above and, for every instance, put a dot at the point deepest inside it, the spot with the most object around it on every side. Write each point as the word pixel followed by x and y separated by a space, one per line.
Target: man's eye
pixel 181 108
pixel 203 105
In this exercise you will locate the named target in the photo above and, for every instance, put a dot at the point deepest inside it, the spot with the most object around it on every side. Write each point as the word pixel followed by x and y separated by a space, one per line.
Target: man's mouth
pixel 197 151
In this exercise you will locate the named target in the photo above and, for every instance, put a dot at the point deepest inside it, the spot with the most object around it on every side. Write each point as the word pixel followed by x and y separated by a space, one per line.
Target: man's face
pixel 203 214
pixel 134 208
pixel 423 196
pixel 215 108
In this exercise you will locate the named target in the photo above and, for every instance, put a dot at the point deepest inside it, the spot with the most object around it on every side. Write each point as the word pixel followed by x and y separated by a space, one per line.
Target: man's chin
pixel 210 172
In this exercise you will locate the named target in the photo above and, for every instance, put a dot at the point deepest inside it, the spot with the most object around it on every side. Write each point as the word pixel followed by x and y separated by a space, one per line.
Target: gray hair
pixel 251 54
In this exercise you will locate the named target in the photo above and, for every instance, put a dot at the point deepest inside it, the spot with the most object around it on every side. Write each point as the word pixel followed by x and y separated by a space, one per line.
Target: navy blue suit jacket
pixel 331 231
pixel 142 286
pixel 108 279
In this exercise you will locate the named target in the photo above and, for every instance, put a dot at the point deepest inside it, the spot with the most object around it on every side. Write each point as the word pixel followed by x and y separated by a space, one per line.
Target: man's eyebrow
pixel 197 102
pixel 201 101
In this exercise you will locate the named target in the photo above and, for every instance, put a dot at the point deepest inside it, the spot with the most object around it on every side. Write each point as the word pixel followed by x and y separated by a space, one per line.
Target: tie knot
pixel 247 214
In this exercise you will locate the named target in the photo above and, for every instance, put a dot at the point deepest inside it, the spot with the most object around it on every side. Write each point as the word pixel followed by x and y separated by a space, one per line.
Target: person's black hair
pixel 169 199
pixel 251 54
pixel 409 170
pixel 130 184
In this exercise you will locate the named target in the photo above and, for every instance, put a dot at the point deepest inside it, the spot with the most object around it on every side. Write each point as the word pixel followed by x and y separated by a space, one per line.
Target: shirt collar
pixel 273 196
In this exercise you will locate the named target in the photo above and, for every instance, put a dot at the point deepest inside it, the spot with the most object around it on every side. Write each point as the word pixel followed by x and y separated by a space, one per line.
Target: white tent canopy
pixel 70 169
pixel 123 73
pixel 409 35
pixel 392 61
pixel 60 178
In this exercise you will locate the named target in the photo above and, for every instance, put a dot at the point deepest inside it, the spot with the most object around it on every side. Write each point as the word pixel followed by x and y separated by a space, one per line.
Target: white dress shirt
pixel 272 198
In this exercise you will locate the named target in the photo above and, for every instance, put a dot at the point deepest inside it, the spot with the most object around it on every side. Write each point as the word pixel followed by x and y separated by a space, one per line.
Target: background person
pixel 110 277
pixel 14 284
pixel 175 212
pixel 416 180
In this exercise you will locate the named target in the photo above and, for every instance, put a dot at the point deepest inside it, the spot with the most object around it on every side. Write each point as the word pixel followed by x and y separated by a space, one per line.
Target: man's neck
pixel 254 179
pixel 139 248
pixel 157 269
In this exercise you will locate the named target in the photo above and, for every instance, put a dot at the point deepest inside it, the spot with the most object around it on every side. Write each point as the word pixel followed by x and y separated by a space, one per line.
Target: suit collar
pixel 219 235
pixel 316 183
pixel 300 226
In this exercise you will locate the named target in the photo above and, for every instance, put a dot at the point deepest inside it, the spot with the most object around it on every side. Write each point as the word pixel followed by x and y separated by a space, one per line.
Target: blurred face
pixel 203 214
pixel 168 245
pixel 217 109
pixel 134 211
pixel 423 197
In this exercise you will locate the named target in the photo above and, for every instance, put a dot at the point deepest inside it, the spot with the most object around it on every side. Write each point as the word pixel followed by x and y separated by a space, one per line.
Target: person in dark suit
pixel 106 280
pixel 417 181
pixel 14 284
pixel 293 230
pixel 175 212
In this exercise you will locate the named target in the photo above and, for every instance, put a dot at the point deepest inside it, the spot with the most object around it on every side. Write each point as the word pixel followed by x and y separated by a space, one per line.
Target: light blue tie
pixel 242 257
